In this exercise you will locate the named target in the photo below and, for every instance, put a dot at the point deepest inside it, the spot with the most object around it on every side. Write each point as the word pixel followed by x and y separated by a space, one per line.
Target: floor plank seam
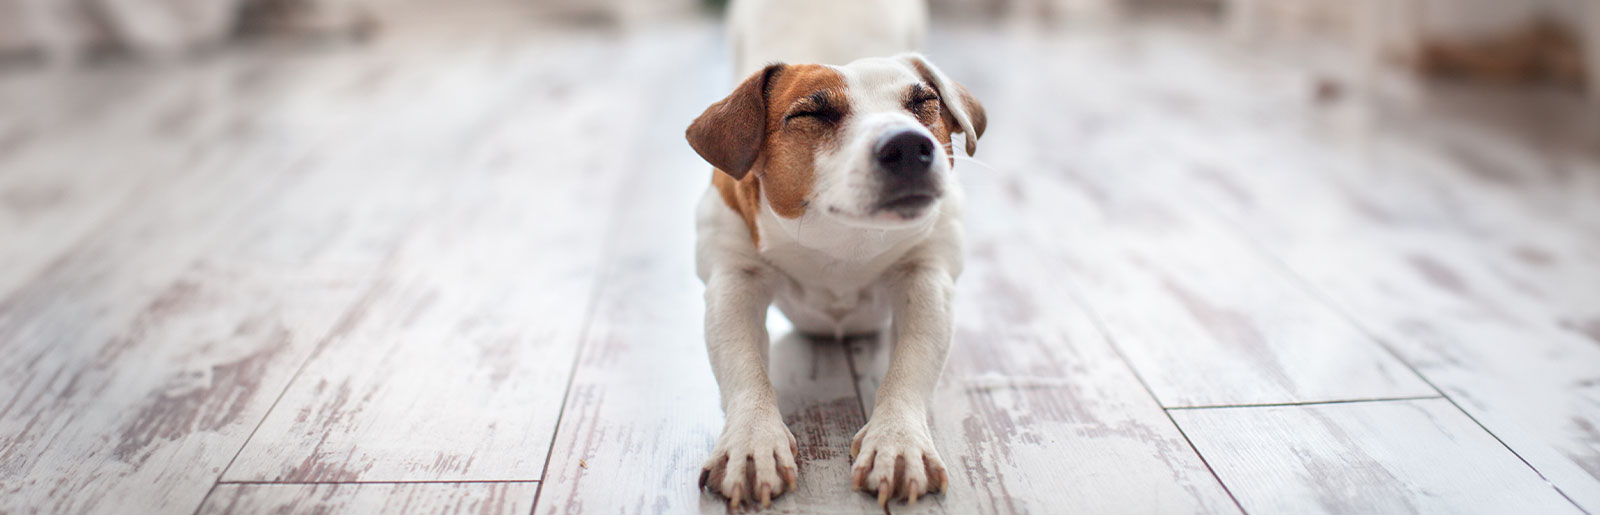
pixel 855 377
pixel 596 289
pixel 347 320
pixel 1316 294
pixel 1307 403
pixel 1111 342
pixel 613 230
pixel 607 261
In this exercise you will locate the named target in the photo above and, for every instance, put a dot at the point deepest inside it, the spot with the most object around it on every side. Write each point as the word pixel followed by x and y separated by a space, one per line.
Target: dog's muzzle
pixel 906 158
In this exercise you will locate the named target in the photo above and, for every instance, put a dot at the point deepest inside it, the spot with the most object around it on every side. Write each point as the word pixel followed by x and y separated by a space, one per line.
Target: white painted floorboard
pixel 1421 456
pixel 503 498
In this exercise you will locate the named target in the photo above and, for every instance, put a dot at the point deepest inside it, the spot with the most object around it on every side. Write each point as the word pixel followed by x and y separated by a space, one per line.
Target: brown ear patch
pixel 729 133
pixel 783 167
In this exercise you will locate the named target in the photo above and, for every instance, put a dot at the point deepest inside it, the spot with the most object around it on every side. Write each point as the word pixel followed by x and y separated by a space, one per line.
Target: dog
pixel 832 197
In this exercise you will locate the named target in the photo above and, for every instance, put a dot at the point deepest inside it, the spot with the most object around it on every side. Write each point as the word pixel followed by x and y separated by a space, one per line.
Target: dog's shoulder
pixel 743 196
pixel 725 225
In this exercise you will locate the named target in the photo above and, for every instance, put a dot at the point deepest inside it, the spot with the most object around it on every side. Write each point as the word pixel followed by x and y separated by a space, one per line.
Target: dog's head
pixel 867 143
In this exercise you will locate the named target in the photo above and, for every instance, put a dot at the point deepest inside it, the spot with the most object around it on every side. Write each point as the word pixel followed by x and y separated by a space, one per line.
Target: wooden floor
pixel 453 274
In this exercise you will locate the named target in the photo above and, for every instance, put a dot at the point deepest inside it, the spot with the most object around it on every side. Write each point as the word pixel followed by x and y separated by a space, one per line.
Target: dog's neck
pixel 823 236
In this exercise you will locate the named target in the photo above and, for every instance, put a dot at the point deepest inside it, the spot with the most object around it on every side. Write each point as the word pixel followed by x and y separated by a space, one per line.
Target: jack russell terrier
pixel 833 198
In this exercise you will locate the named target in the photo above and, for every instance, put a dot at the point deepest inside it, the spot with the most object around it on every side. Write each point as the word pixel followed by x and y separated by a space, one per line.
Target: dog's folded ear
pixel 961 110
pixel 730 132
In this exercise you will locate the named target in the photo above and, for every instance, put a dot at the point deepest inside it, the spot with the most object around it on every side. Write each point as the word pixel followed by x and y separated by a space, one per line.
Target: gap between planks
pixel 1229 227
pixel 1307 403
pixel 349 319
pixel 614 231
pixel 603 269
pixel 1116 348
pixel 1217 215
pixel 1316 293
pixel 855 380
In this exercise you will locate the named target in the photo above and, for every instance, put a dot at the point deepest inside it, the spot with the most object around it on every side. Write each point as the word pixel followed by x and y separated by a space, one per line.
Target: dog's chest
pixel 838 288
pixel 826 283
pixel 828 297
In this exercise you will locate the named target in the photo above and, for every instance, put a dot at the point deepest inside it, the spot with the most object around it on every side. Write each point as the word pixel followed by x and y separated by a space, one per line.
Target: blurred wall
pixel 1508 41
pixel 1472 19
pixel 66 31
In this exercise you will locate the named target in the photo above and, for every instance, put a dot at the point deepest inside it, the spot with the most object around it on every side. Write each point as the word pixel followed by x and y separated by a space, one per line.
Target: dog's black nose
pixel 905 152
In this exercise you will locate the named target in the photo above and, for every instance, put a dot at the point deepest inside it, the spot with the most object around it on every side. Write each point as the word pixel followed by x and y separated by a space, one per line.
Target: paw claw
pixel 752 463
pixel 897 460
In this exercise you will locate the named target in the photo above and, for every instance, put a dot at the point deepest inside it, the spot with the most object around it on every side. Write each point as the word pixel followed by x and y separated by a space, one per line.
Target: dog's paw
pixel 894 457
pixel 753 461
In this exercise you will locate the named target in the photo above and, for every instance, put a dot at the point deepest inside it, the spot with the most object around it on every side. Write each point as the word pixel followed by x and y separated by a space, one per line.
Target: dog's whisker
pixel 978 162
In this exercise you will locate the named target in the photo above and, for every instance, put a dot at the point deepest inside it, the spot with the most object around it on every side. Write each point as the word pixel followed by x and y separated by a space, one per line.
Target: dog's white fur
pixel 841 268
pixel 822 31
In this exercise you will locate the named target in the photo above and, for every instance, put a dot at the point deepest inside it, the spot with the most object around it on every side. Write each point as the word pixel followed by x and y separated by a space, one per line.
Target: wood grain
pixel 53 194
pixel 1470 257
pixel 465 352
pixel 1421 456
pixel 137 364
pixel 1498 325
pixel 506 498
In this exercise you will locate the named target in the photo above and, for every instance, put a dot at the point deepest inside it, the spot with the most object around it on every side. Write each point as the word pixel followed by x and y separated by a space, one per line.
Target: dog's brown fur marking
pixel 743 196
pixel 784 167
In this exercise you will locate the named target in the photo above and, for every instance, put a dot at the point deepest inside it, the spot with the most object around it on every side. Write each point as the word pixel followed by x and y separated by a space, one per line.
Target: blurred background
pixel 378 255
pixel 1369 51
pixel 1520 41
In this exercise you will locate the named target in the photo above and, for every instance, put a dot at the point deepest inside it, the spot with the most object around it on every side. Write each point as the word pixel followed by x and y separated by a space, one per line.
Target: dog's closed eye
pixel 822 115
pixel 923 102
pixel 816 106
pixel 921 95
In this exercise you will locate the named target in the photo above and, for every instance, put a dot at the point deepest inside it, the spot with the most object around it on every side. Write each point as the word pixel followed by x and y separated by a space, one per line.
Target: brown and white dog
pixel 833 198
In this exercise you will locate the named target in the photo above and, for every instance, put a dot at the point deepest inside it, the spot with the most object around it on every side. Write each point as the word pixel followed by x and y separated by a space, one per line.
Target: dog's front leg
pixel 897 435
pixel 754 457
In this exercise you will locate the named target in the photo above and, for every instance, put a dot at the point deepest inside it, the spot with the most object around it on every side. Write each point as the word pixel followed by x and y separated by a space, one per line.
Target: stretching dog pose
pixel 832 198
